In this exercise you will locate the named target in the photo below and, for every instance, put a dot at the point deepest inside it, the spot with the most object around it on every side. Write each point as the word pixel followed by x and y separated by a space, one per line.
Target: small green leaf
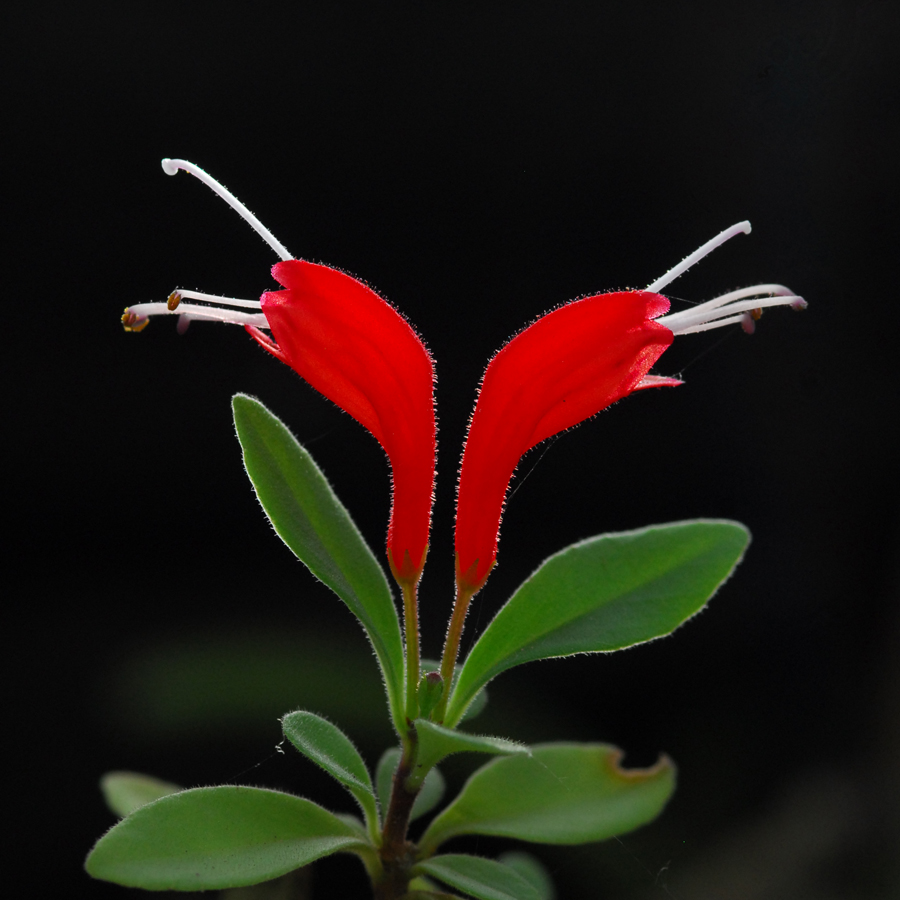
pixel 603 594
pixel 432 792
pixel 532 870
pixel 561 794
pixel 436 742
pixel 327 746
pixel 482 878
pixel 310 519
pixel 218 837
pixel 384 776
pixel 429 796
pixel 124 792
pixel 429 693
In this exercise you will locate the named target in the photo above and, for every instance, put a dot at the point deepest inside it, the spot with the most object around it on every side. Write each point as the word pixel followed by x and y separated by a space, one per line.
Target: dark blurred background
pixel 478 164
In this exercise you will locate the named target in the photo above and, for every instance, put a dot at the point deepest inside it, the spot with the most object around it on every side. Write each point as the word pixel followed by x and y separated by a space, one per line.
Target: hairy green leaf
pixel 485 879
pixel 309 518
pixel 327 746
pixel 532 870
pixel 436 742
pixel 561 794
pixel 603 594
pixel 124 792
pixel 218 837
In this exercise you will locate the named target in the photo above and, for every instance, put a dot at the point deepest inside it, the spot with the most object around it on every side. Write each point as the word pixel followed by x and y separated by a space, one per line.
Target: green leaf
pixel 422 894
pixel 327 746
pixel 476 707
pixel 429 796
pixel 124 792
pixel 432 792
pixel 561 794
pixel 384 776
pixel 482 878
pixel 217 837
pixel 603 594
pixel 436 742
pixel 532 870
pixel 310 519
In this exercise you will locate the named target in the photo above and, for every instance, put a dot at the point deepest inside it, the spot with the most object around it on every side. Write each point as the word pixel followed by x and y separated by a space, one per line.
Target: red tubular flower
pixel 357 350
pixel 563 369
pixel 350 345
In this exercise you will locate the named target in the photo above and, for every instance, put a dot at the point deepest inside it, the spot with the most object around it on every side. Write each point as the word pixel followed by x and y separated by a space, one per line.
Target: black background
pixel 478 164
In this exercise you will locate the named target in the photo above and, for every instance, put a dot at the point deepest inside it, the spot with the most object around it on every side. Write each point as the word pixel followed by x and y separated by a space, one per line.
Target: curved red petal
pixel 357 350
pixel 561 370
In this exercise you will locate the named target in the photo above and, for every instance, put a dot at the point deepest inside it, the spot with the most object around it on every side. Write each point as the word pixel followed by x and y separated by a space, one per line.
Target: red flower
pixel 357 350
pixel 563 369
pixel 353 347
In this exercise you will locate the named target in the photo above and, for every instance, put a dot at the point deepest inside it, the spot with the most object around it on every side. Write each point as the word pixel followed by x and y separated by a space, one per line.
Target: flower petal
pixel 357 350
pixel 561 370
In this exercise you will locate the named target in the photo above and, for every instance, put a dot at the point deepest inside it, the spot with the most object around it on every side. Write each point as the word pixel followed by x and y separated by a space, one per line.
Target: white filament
pixel 204 313
pixel 708 326
pixel 171 167
pixel 697 255
pixel 713 313
pixel 757 290
pixel 216 298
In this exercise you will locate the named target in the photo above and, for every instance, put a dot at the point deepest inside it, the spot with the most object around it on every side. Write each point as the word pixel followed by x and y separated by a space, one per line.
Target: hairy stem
pixel 397 854
pixel 411 628
pixel 451 647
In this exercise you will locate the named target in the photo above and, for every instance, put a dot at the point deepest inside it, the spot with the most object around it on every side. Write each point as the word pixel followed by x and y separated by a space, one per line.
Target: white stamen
pixel 697 255
pixel 171 167
pixel 708 326
pixel 703 318
pixel 216 298
pixel 203 313
pixel 756 290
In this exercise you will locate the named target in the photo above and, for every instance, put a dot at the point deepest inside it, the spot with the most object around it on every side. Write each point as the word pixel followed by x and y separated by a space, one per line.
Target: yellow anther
pixel 132 322
pixel 756 314
pixel 173 301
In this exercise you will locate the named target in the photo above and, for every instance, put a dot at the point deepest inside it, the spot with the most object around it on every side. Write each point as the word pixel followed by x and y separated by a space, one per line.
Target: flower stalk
pixel 464 594
pixel 411 632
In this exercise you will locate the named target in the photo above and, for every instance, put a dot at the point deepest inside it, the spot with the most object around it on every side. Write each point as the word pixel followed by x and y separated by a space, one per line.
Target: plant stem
pixel 411 626
pixel 396 853
pixel 451 647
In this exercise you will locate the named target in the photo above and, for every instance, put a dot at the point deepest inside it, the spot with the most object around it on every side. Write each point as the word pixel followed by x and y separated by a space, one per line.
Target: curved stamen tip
pixel 749 320
pixel 695 257
pixel 798 303
pixel 171 167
